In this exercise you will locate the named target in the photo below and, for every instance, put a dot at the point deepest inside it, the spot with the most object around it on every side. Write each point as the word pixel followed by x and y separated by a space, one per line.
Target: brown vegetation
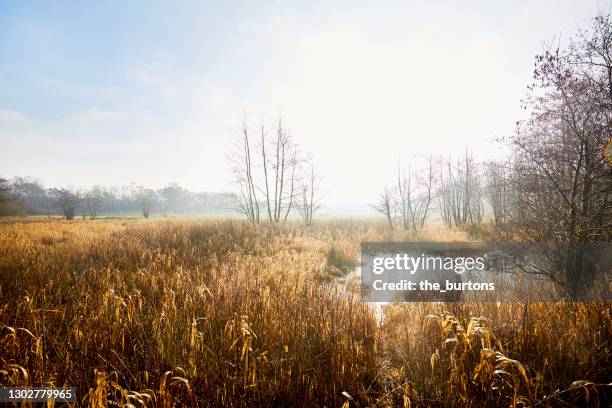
pixel 226 313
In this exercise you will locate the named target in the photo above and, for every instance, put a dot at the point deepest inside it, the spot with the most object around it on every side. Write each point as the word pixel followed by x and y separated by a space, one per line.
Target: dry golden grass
pixel 222 313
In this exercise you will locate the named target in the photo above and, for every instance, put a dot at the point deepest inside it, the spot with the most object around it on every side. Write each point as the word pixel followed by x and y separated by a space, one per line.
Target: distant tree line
pixel 27 196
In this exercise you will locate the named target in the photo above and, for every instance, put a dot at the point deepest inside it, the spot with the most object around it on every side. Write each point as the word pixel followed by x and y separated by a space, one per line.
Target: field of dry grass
pixel 223 313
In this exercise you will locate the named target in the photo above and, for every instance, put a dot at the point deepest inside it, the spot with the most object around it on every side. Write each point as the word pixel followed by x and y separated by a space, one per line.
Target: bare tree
pixel 422 209
pixel 386 205
pixel 94 199
pixel 244 173
pixel 404 198
pixel 459 193
pixel 498 194
pixel 145 198
pixel 68 200
pixel 309 195
pixel 414 195
pixel 279 170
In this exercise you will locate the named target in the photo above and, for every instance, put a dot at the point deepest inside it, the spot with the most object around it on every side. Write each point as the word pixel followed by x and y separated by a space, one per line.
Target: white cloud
pixel 147 76
pixel 9 115
pixel 98 114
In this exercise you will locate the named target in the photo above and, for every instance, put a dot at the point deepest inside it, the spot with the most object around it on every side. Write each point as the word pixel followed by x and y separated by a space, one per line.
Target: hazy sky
pixel 113 92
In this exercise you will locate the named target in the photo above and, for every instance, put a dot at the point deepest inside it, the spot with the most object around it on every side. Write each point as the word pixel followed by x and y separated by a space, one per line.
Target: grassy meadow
pixel 216 313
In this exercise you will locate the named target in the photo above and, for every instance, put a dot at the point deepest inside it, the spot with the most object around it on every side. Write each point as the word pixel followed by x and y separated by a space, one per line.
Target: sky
pixel 147 92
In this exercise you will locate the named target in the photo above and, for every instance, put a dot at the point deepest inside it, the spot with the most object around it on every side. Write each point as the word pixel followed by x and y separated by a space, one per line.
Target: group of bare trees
pixel 409 201
pixel 68 199
pixel 460 192
pixel 447 187
pixel 560 172
pixel 555 187
pixel 71 200
pixel 272 176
